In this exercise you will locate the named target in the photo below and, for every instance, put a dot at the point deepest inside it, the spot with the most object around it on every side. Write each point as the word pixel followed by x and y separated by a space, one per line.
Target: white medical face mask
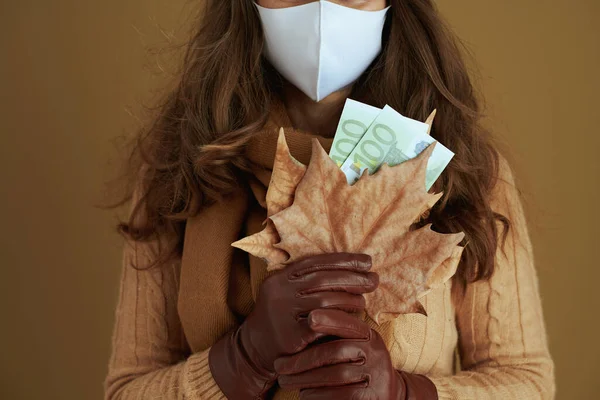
pixel 321 47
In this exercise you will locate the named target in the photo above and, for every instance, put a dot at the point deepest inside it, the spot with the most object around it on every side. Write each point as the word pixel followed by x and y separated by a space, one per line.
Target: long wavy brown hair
pixel 192 153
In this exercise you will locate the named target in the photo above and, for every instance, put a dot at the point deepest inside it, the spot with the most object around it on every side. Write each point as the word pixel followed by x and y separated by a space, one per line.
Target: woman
pixel 198 319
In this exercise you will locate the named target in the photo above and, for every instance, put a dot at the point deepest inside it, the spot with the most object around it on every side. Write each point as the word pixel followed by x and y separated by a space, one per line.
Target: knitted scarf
pixel 219 283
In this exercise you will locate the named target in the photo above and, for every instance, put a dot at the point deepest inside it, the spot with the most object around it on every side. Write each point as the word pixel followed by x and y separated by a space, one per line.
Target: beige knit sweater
pixel 489 344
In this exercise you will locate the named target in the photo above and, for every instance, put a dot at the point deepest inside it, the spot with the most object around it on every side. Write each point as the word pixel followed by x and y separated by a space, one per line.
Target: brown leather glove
pixel 242 361
pixel 349 368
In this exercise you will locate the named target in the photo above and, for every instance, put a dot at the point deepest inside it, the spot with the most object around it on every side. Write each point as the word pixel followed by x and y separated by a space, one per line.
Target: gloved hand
pixel 349 368
pixel 242 362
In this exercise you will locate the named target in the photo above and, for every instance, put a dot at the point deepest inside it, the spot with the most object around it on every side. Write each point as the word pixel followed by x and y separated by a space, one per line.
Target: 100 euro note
pixel 393 138
pixel 354 122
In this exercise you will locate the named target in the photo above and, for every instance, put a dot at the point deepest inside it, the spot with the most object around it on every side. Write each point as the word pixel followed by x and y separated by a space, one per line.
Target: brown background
pixel 70 70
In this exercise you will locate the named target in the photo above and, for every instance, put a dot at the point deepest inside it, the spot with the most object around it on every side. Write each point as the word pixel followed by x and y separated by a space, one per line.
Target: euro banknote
pixel 393 138
pixel 354 122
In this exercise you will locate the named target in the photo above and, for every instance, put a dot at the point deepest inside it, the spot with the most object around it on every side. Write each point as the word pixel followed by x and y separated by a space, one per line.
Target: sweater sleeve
pixel 150 357
pixel 502 338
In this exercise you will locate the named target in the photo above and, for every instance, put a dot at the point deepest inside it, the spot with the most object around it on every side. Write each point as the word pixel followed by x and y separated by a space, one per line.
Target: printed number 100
pixel 353 130
pixel 372 152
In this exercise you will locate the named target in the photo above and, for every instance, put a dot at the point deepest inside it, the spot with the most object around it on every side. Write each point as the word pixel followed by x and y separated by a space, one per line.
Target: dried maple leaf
pixel 315 211
pixel 374 216
pixel 287 173
pixel 429 120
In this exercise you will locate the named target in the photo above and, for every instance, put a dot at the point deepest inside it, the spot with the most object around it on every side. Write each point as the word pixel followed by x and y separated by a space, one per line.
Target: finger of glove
pixel 338 323
pixel 345 301
pixel 330 261
pixel 337 281
pixel 329 376
pixel 348 392
pixel 320 356
pixel 305 336
pixel 419 385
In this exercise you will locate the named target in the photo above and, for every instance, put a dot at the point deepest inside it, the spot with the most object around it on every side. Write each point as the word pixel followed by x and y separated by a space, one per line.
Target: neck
pixel 318 118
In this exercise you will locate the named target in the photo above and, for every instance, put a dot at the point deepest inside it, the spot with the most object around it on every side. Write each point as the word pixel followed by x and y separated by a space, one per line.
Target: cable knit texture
pixel 489 343
pixel 150 358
